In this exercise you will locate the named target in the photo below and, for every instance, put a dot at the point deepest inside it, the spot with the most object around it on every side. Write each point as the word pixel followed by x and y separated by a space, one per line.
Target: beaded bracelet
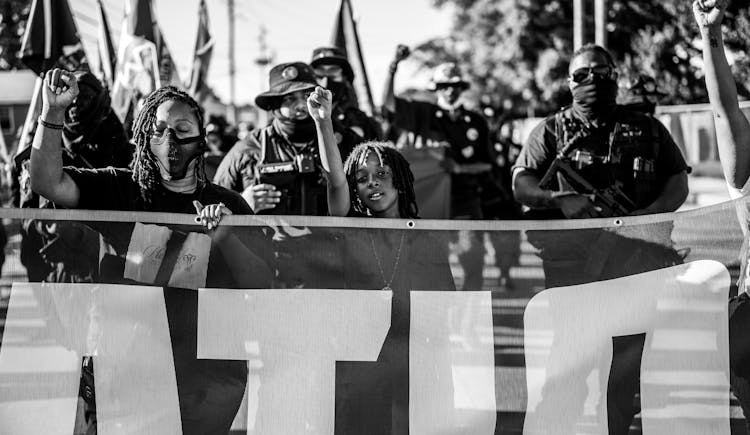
pixel 50 125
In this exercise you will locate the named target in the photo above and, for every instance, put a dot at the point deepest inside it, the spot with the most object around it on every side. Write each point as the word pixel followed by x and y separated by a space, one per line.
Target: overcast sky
pixel 294 28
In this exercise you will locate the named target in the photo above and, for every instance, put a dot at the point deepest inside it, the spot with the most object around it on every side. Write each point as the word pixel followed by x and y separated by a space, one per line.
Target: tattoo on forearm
pixel 714 41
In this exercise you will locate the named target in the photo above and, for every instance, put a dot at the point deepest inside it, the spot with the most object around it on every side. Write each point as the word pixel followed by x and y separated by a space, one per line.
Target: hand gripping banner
pixel 147 324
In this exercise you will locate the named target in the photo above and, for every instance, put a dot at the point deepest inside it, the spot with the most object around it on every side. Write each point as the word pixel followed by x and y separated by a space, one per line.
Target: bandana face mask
pixel 175 154
pixel 594 95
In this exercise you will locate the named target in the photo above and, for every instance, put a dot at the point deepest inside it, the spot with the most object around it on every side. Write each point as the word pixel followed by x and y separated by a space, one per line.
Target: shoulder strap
pixel 263 144
pixel 560 130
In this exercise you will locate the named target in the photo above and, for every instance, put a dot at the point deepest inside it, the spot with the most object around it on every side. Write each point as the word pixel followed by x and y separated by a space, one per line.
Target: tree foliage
pixel 13 15
pixel 516 52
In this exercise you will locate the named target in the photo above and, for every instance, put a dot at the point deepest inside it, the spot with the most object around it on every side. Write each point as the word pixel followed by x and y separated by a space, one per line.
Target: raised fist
pixel 59 90
pixel 709 13
pixel 402 52
pixel 319 104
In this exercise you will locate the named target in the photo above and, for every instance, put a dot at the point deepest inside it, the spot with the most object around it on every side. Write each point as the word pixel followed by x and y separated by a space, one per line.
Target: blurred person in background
pixel 214 149
pixel 333 72
pixel 463 137
pixel 497 198
pixel 92 137
pixel 68 251
pixel 243 130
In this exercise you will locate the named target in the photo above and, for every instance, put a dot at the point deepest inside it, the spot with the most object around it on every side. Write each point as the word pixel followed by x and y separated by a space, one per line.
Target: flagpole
pixel 264 59
pixel 106 49
pixel 600 14
pixel 370 102
pixel 579 27
pixel 232 115
pixel 31 114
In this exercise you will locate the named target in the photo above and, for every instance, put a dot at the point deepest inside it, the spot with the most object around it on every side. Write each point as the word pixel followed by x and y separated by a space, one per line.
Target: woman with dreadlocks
pixel 167 176
pixel 376 181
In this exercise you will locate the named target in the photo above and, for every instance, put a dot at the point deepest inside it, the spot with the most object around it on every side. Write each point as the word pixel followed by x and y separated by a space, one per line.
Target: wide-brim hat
pixel 447 74
pixel 334 56
pixel 285 78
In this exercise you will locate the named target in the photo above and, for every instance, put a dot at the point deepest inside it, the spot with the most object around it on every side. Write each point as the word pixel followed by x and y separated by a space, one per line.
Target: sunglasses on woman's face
pixel 582 74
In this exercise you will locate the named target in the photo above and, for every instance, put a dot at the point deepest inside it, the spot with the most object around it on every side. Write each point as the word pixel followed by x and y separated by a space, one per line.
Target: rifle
pixel 612 200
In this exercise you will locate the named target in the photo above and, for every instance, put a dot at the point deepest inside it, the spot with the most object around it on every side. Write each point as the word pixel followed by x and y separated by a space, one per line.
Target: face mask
pixel 594 97
pixel 449 100
pixel 296 130
pixel 173 155
pixel 338 89
pixel 84 118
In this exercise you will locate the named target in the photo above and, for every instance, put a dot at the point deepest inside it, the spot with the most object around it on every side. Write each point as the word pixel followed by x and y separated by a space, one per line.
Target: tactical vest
pixel 296 173
pixel 629 156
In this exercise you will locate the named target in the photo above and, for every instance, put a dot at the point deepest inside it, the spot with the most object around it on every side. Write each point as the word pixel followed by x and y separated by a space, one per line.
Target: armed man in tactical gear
pixel 621 154
pixel 598 159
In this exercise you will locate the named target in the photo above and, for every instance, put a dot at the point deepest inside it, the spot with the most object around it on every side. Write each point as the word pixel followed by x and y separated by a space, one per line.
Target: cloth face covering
pixel 594 97
pixel 339 90
pixel 173 156
pixel 297 130
pixel 84 117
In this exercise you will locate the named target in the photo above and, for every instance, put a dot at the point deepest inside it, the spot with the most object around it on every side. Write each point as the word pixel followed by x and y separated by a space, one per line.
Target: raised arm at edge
pixel 46 167
pixel 333 168
pixel 389 98
pixel 732 128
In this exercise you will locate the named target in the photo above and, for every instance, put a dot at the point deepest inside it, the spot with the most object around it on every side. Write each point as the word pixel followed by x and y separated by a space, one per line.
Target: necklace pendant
pixel 387 288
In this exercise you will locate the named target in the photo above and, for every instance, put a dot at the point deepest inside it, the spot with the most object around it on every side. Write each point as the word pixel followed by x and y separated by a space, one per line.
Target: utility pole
pixel 600 17
pixel 579 27
pixel 232 115
pixel 265 58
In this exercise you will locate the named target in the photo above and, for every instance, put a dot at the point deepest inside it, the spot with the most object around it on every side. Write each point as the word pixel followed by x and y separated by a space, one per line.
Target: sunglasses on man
pixel 600 71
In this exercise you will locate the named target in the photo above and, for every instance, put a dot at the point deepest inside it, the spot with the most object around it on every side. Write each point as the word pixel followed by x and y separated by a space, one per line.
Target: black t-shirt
pixel 466 135
pixel 365 127
pixel 637 135
pixel 114 189
pixel 210 391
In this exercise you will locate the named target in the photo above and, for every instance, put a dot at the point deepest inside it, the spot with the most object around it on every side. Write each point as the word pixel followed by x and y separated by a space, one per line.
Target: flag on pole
pixel 345 36
pixel 168 74
pixel 204 45
pixel 50 40
pixel 143 59
pixel 106 50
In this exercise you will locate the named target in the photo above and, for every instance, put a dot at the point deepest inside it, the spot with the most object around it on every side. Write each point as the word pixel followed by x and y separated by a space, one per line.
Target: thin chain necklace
pixel 395 263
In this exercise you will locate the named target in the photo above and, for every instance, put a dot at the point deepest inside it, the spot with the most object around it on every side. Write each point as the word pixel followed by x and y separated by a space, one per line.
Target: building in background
pixel 16 90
